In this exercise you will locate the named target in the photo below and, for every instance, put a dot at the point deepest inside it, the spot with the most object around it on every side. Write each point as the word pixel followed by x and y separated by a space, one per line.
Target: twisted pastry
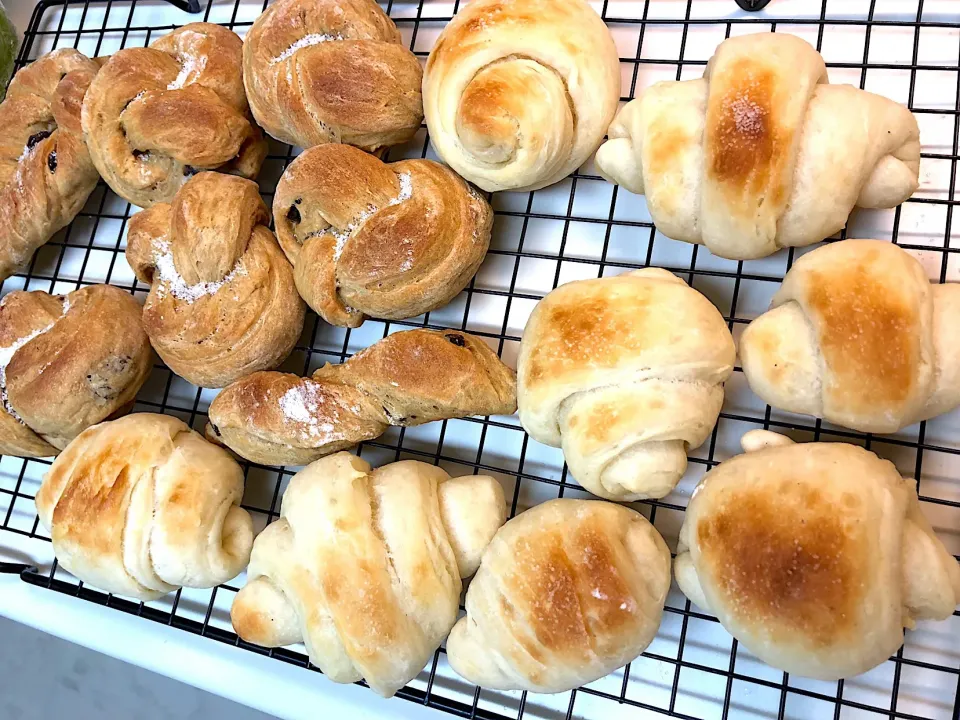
pixel 858 336
pixel 511 102
pixel 143 505
pixel 156 115
pixel 364 566
pixel 408 378
pixel 761 153
pixel 331 71
pixel 567 592
pixel 66 363
pixel 365 238
pixel 222 301
pixel 45 171
pixel 625 374
pixel 814 556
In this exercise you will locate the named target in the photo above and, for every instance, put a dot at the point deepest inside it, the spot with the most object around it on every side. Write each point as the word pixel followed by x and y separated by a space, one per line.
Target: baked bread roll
pixel 511 102
pixel 625 374
pixel 222 301
pixel 365 238
pixel 567 592
pixel 761 153
pixel 814 556
pixel 45 171
pixel 364 566
pixel 66 363
pixel 408 378
pixel 143 505
pixel 156 115
pixel 331 71
pixel 857 335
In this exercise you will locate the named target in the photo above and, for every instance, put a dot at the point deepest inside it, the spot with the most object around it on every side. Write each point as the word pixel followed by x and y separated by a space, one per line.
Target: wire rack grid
pixel 583 227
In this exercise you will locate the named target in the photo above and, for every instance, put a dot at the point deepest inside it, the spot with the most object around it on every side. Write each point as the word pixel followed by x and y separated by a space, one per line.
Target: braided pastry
pixel 45 171
pixel 408 378
pixel 364 566
pixel 156 115
pixel 857 335
pixel 625 374
pixel 331 71
pixel 143 505
pixel 511 101
pixel 761 153
pixel 222 300
pixel 66 363
pixel 365 238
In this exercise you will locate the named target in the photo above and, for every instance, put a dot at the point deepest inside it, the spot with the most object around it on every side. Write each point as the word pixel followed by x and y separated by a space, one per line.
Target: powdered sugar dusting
pixel 306 41
pixel 172 282
pixel 406 192
pixel 189 65
pixel 303 404
pixel 748 116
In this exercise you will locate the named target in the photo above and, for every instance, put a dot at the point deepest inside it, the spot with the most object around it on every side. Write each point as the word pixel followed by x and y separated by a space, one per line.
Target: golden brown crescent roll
pixel 46 174
pixel 365 238
pixel 66 363
pixel 222 301
pixel 625 374
pixel 143 505
pixel 567 592
pixel 519 93
pixel 331 71
pixel 364 566
pixel 814 556
pixel 761 153
pixel 857 335
pixel 408 378
pixel 156 115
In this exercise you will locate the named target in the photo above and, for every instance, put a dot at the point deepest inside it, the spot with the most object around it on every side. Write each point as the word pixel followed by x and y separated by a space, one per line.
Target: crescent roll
pixel 857 335
pixel 143 505
pixel 814 556
pixel 511 101
pixel 761 153
pixel 625 374
pixel 567 592
pixel 364 566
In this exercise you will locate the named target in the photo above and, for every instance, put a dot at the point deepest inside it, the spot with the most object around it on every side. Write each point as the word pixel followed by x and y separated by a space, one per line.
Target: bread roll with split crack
pixel 567 592
pixel 761 153
pixel 67 362
pixel 143 505
pixel 858 336
pixel 814 556
pixel 626 374
pixel 364 566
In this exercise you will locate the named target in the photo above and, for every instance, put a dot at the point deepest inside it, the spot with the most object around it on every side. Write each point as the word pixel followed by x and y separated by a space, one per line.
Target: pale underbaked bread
pixel 408 378
pixel 364 566
pixel 567 592
pixel 143 505
pixel 857 335
pixel 365 238
pixel 222 301
pixel 814 556
pixel 511 102
pixel 625 374
pixel 66 363
pixel 156 115
pixel 761 153
pixel 322 71
pixel 46 174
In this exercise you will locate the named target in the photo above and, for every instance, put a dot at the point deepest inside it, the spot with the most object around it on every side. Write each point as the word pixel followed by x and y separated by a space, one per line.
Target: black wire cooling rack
pixel 583 227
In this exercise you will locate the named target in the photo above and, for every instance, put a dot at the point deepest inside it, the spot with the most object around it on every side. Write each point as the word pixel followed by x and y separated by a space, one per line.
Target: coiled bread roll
pixel 625 374
pixel 761 153
pixel 364 566
pixel 518 94
pixel 567 592
pixel 143 505
pixel 857 335
pixel 814 556
pixel 46 174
